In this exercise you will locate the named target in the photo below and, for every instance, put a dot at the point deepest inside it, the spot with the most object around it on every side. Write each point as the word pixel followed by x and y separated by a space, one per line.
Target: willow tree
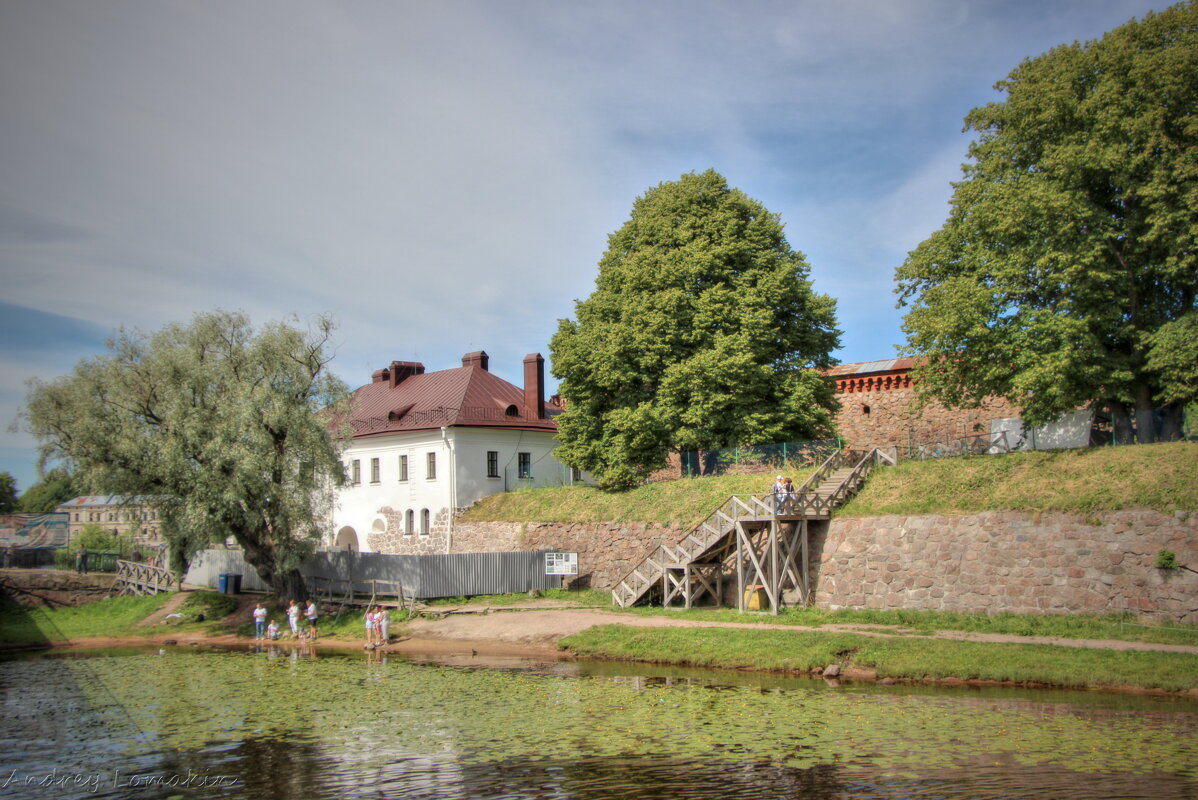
pixel 223 429
pixel 1067 272
pixel 703 331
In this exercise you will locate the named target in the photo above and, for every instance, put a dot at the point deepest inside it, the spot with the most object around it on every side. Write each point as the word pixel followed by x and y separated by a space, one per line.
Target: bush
pixel 1167 559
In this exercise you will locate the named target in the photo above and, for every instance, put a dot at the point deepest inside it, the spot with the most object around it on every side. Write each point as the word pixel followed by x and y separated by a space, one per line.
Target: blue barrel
pixel 234 583
pixel 222 583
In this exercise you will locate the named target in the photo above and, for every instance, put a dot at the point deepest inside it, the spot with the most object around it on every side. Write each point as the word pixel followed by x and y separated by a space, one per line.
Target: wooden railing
pixel 811 499
pixel 135 577
pixel 368 592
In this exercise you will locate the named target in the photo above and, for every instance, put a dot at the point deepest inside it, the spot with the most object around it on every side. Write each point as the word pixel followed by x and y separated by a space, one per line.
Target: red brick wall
pixel 879 410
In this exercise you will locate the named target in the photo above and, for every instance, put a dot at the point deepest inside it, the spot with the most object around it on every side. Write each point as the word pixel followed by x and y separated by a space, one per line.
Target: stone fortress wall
pixel 986 563
pixel 878 408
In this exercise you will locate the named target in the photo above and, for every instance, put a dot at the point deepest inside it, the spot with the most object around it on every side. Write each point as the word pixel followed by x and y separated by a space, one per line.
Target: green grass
pixel 115 616
pixel 899 658
pixel 1117 627
pixel 1163 477
pixel 207 606
pixel 684 502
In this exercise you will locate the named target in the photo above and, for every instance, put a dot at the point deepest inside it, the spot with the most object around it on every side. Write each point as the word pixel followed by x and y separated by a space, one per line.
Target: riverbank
pixel 551 629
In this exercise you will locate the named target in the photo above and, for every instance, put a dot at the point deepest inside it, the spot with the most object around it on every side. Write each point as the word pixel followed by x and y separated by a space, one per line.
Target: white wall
pixel 461 476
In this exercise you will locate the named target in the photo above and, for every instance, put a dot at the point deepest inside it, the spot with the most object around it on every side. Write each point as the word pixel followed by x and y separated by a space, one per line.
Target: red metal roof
pixel 462 396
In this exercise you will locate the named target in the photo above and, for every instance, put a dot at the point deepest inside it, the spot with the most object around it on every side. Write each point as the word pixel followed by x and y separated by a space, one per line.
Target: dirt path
pixel 169 607
pixel 533 626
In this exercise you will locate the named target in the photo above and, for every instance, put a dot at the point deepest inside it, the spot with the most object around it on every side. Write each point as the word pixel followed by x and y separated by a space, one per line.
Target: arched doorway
pixel 347 539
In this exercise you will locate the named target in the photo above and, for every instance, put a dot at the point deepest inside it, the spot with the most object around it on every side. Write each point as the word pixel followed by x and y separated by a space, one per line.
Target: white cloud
pixel 442 176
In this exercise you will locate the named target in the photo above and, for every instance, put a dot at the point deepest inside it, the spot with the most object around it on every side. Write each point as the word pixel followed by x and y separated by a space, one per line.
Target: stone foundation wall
pixel 605 550
pixel 410 544
pixel 986 563
pixel 1004 561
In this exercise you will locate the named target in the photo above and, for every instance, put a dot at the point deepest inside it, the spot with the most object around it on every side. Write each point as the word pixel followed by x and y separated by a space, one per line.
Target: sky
pixel 442 177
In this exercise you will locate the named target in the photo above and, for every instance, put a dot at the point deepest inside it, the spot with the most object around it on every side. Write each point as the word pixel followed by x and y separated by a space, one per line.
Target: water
pixel 279 724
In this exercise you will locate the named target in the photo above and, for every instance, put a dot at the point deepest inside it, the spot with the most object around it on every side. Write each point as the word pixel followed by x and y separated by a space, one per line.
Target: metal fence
pixel 753 459
pixel 425 577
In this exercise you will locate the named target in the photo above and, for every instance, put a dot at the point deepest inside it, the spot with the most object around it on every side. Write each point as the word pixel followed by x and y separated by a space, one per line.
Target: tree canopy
pixel 217 426
pixel 1067 271
pixel 703 331
pixel 55 488
pixel 8 493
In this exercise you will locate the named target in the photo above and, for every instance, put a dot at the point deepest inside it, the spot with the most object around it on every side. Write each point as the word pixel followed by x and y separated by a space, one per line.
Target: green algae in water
pixel 189 702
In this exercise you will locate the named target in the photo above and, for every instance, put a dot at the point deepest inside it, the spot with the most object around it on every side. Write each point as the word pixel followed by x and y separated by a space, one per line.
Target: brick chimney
pixel 534 386
pixel 478 359
pixel 400 371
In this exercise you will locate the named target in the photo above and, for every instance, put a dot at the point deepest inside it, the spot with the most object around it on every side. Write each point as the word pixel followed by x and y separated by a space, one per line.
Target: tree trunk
pixel 290 585
pixel 1145 424
pixel 1121 421
pixel 1171 425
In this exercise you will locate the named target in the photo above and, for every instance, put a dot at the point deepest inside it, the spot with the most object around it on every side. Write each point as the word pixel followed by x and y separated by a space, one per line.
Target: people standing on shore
pixel 259 622
pixel 370 627
pixel 383 621
pixel 312 613
pixel 293 615
pixel 272 630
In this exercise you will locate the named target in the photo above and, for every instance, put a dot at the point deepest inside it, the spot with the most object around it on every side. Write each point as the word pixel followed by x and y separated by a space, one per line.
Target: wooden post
pixel 740 570
pixel 805 575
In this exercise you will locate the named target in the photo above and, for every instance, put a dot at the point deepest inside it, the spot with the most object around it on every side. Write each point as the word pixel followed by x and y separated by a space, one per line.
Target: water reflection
pixel 275 722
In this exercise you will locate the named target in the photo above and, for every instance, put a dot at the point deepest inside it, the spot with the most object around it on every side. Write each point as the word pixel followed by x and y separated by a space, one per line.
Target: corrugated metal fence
pixel 459 574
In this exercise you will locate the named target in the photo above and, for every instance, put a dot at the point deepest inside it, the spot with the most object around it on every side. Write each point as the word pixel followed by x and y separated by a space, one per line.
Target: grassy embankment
pixel 1087 482
pixel 114 617
pixel 1162 477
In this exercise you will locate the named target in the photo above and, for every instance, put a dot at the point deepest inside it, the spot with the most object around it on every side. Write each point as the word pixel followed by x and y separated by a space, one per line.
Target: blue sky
pixel 442 176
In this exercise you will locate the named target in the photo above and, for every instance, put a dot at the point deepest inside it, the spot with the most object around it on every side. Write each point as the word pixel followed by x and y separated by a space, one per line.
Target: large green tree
pixel 55 488
pixel 1067 272
pixel 703 331
pixel 220 426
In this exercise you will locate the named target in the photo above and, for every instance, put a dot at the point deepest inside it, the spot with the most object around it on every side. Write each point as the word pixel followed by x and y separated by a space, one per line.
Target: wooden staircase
pixel 837 479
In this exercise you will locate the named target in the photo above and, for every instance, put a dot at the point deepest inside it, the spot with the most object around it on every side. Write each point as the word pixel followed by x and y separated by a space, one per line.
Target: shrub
pixel 1167 559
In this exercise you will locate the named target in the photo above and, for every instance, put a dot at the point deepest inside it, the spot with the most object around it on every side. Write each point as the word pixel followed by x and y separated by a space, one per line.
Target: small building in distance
pixel 116 513
pixel 426 444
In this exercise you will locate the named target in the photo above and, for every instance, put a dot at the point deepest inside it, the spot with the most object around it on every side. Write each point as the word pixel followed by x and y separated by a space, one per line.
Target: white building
pixel 426 444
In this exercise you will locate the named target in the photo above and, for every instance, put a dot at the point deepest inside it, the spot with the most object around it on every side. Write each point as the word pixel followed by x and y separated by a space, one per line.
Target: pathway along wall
pixel 986 563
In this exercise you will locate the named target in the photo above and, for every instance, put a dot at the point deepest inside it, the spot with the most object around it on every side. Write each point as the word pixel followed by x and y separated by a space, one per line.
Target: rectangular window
pixel 374 470
pixel 355 472
pixel 492 463
pixel 524 465
pixel 403 468
pixel 432 466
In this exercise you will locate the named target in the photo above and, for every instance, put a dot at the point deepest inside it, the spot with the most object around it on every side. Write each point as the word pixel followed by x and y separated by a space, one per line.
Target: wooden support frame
pixel 691 581
pixel 773 556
